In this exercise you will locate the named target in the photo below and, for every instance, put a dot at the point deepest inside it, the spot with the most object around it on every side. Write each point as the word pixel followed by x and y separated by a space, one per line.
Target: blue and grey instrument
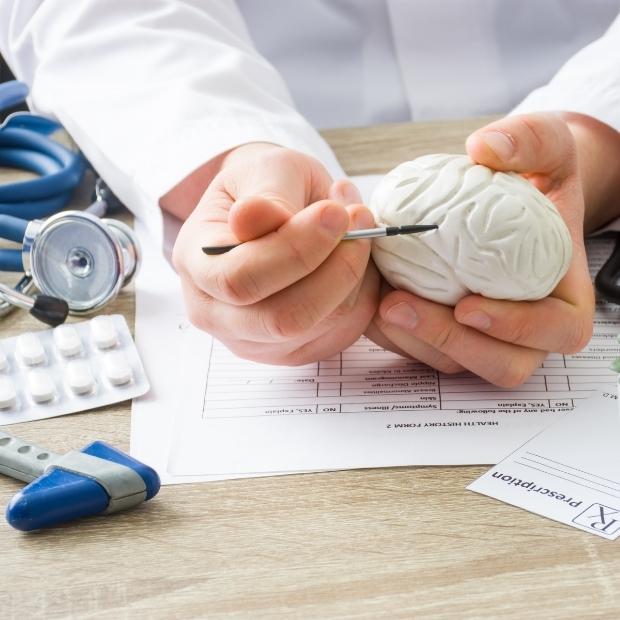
pixel 99 479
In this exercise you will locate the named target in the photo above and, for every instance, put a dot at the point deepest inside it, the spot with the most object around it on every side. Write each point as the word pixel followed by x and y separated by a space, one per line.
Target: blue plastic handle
pixel 59 497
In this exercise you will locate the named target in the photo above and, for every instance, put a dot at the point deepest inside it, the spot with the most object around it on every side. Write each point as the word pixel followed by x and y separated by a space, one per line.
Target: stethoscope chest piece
pixel 80 258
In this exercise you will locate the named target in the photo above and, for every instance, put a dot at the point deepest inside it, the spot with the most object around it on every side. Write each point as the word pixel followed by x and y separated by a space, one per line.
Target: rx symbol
pixel 600 518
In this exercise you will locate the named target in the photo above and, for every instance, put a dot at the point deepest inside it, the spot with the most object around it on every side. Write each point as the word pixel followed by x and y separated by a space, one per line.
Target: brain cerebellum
pixel 498 235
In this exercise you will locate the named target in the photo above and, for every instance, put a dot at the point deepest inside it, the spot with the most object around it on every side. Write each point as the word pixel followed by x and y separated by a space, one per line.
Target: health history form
pixel 367 407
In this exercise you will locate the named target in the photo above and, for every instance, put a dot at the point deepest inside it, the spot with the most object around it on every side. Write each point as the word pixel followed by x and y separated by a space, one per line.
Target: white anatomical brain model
pixel 498 236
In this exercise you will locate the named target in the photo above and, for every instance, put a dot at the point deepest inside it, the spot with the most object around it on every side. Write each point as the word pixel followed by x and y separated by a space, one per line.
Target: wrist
pixel 598 160
pixel 240 154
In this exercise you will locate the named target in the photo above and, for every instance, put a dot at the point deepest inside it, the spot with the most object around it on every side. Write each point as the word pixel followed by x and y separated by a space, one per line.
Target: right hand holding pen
pixel 292 293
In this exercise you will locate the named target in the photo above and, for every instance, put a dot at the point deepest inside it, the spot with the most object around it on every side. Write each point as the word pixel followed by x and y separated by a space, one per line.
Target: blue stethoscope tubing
pixel 25 143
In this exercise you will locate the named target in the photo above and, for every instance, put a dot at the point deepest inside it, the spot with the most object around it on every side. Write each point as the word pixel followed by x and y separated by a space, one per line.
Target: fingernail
pixel 476 319
pixel 334 219
pixel 346 193
pixel 362 218
pixel 351 194
pixel 402 315
pixel 500 143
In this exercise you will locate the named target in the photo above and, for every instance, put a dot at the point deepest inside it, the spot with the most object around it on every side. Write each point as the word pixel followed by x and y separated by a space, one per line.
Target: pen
pixel 366 233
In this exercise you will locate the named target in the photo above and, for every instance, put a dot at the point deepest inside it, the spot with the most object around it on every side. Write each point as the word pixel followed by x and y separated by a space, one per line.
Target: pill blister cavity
pixel 41 385
pixel 30 350
pixel 104 332
pixel 80 377
pixel 117 368
pixel 8 394
pixel 67 340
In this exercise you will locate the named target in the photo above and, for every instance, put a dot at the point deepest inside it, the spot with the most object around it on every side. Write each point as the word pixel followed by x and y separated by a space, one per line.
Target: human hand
pixel 505 341
pixel 292 293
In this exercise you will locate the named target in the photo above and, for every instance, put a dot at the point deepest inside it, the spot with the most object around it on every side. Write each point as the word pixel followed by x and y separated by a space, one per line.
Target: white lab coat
pixel 152 89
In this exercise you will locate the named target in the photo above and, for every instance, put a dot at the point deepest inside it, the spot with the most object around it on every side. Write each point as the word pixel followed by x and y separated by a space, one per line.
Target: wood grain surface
pixel 385 543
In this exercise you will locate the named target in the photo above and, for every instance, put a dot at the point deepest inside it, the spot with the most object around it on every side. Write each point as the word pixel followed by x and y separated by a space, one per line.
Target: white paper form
pixel 370 408
pixel 160 316
pixel 160 320
pixel 570 472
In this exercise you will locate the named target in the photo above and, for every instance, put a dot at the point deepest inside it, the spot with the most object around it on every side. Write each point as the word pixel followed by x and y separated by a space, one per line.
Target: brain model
pixel 498 235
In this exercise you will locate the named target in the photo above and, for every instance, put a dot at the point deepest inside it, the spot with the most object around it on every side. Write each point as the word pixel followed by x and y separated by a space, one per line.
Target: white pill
pixel 67 340
pixel 4 362
pixel 80 377
pixel 104 332
pixel 8 396
pixel 29 349
pixel 117 368
pixel 41 386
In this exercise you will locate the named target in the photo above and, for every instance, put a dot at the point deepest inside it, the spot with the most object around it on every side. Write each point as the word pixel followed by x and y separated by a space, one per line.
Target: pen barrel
pixel 367 233
pixel 22 460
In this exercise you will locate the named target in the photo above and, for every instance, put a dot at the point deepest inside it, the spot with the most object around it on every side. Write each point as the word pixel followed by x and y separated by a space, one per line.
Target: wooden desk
pixel 384 543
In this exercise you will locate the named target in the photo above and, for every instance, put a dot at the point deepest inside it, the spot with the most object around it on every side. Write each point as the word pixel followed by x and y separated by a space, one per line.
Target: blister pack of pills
pixel 70 368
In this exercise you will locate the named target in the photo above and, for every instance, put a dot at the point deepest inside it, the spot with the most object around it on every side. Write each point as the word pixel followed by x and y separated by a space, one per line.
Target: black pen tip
pixel 413 228
pixel 214 250
pixel 409 228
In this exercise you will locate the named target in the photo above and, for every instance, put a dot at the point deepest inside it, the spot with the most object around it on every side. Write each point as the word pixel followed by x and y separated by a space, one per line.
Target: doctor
pixel 212 103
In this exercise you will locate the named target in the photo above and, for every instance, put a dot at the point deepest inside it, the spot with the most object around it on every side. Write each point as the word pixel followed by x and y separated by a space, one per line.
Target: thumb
pixel 529 144
pixel 255 216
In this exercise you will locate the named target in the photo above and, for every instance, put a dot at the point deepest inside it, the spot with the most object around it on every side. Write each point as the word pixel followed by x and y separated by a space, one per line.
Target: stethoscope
pixel 78 260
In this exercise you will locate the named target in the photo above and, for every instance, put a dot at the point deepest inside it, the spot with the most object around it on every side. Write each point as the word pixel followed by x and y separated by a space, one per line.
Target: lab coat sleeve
pixel 151 90
pixel 589 83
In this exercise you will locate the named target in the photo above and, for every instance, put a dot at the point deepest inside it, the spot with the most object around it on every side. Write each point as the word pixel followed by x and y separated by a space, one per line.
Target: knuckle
pixel 198 317
pixel 579 336
pixel 292 321
pixel 354 268
pixel 549 137
pixel 298 357
pixel 241 349
pixel 449 367
pixel 301 256
pixel 445 337
pixel 177 260
pixel 531 128
pixel 439 361
pixel 236 287
pixel 522 331
pixel 512 373
pixel 181 261
pixel 344 309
